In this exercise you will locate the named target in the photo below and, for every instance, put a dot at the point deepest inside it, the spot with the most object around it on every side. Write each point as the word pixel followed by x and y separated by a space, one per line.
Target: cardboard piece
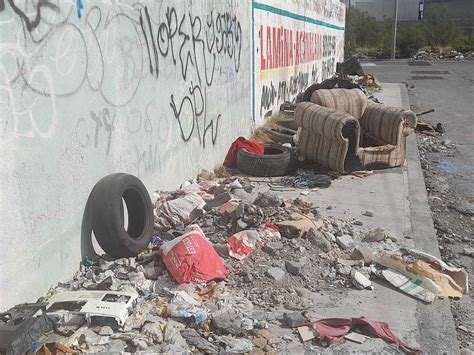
pixel 306 333
pixel 356 337
pixel 426 272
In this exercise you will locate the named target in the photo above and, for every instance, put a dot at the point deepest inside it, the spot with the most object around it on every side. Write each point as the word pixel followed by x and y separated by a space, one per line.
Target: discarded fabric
pixel 332 330
pixel 250 145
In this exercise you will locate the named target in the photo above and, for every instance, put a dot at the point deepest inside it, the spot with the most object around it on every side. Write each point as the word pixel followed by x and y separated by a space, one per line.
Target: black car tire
pixel 274 162
pixel 107 215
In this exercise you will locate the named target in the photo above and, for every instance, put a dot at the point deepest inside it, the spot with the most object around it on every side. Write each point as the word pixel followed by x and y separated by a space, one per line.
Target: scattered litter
pixel 332 330
pixel 360 281
pixel 243 243
pixel 307 333
pixel 307 180
pixel 422 275
pixel 92 304
pixel 368 213
pixel 362 173
pixel 356 337
pixel 192 258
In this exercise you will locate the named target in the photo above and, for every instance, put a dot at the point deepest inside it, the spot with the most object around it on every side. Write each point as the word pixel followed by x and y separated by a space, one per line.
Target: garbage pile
pixel 223 263
pixel 437 55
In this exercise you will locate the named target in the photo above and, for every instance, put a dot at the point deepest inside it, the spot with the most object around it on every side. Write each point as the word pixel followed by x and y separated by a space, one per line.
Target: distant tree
pixel 410 39
pixel 439 27
pixel 364 31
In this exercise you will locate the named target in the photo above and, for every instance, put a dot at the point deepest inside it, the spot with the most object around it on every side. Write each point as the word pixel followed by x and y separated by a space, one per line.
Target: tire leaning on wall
pixel 107 215
pixel 274 162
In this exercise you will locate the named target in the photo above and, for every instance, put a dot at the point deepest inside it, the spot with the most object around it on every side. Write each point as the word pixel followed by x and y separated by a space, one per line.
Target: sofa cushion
pixel 351 101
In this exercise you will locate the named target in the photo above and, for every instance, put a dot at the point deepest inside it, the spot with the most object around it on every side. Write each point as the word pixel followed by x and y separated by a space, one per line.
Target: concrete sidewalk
pixel 398 198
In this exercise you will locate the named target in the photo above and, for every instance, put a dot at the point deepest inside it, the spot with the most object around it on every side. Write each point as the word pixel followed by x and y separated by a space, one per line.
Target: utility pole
pixel 395 20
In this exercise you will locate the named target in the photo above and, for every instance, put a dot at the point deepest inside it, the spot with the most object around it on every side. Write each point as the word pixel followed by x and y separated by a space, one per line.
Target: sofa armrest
pixel 388 123
pixel 324 121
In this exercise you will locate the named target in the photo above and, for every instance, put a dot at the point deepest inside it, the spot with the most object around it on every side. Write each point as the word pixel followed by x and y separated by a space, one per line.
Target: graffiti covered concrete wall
pixel 158 89
pixel 296 43
pixel 154 88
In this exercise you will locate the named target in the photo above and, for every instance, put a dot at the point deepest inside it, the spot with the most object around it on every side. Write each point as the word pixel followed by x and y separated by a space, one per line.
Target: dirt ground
pixel 453 217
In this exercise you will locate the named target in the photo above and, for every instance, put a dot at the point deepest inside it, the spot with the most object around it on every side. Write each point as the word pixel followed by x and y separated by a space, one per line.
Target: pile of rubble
pixel 437 55
pixel 249 258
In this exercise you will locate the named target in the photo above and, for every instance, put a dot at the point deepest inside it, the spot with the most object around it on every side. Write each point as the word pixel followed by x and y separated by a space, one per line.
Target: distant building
pixel 461 11
pixel 408 10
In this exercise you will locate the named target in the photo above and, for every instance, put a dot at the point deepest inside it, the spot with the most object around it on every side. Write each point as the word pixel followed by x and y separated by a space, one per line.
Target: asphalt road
pixel 448 88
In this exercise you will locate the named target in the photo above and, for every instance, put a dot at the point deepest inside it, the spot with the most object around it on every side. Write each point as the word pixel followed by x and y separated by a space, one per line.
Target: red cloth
pixel 331 330
pixel 251 145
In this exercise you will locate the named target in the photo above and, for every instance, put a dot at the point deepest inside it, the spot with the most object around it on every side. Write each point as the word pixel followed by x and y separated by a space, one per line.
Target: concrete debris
pixel 345 241
pixel 273 247
pixel 294 267
pixel 153 331
pixel 362 253
pixel 368 213
pixel 375 235
pixel 194 339
pixel 278 255
pixel 294 319
pixel 317 238
pixel 360 281
pixel 275 273
pixel 235 345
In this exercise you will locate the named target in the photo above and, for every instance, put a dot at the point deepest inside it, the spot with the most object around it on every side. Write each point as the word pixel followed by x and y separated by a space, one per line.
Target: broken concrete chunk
pixel 468 252
pixel 218 201
pixel 236 345
pixel 153 331
pixel 343 269
pixel 193 338
pixel 345 241
pixel 298 228
pixel 275 273
pixel 228 322
pixel 106 330
pixel 375 235
pixel 294 266
pixel 233 209
pixel 362 253
pixel 140 344
pixel 294 319
pixel 267 200
pixel 358 222
pixel 360 281
pixel 273 247
pixel 317 238
pixel 368 213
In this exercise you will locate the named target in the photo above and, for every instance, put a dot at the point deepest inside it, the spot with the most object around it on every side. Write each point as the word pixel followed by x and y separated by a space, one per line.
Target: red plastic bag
pixel 191 258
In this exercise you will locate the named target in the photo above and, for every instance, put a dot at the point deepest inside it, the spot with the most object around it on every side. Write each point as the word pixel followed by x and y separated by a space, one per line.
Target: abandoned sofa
pixel 343 130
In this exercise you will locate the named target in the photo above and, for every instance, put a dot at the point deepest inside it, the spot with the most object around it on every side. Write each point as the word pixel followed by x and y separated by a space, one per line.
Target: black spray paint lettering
pixel 148 159
pixel 33 23
pixel 103 121
pixel 197 104
pixel 222 36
